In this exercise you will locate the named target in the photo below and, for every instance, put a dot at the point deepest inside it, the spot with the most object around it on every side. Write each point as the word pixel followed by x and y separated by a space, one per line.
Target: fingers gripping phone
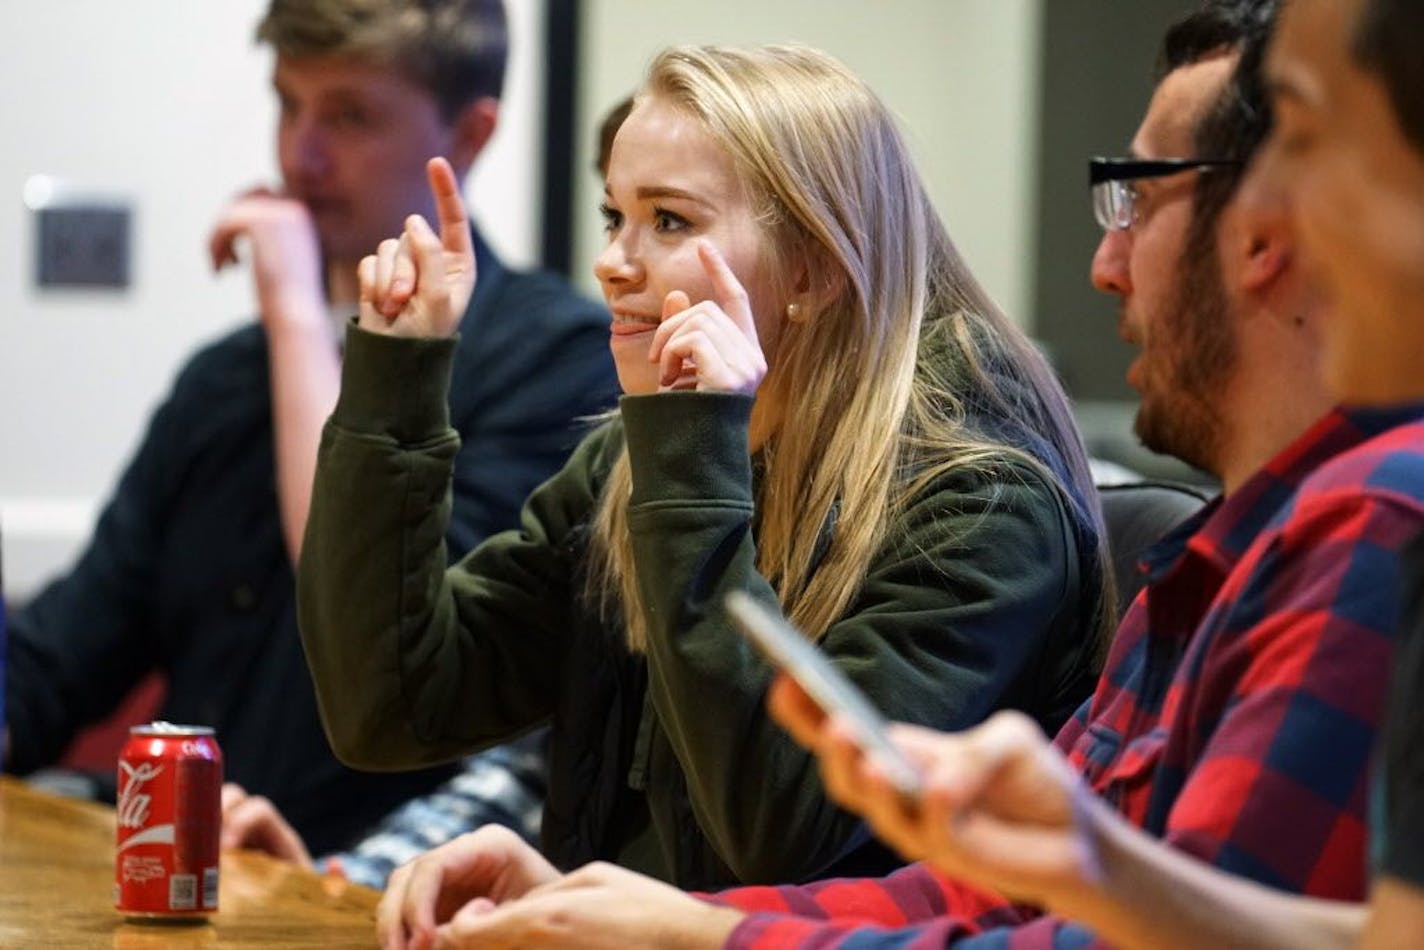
pixel 787 649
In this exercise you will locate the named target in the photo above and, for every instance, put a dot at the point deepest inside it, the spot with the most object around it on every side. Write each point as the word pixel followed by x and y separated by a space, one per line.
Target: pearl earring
pixel 793 312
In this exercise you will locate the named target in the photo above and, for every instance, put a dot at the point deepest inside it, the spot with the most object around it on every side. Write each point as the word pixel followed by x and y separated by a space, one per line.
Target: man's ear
pixel 1267 243
pixel 471 130
pixel 1268 257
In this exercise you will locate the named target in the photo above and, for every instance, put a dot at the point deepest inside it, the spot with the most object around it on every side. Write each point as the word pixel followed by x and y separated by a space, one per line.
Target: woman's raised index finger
pixel 449 206
pixel 729 293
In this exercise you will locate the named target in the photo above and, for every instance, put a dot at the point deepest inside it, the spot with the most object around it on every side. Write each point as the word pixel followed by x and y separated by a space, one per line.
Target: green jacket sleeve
pixel 414 663
pixel 972 582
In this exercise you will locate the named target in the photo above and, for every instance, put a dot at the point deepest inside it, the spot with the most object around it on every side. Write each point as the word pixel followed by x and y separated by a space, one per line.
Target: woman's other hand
pixel 711 346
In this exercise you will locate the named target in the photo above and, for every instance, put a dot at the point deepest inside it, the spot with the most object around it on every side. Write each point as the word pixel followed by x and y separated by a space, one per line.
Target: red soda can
pixel 169 817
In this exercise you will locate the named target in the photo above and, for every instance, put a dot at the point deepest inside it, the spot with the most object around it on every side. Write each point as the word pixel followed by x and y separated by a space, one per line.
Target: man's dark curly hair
pixel 1236 124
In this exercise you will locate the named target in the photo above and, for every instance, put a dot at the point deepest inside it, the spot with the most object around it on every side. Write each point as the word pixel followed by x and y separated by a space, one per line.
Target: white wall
pixel 962 75
pixel 165 103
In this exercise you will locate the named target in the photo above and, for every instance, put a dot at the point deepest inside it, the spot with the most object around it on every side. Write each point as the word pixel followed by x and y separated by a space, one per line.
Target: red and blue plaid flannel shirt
pixel 1237 713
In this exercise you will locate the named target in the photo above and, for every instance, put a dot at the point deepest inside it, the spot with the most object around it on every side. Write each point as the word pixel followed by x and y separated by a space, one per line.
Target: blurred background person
pixel 190 568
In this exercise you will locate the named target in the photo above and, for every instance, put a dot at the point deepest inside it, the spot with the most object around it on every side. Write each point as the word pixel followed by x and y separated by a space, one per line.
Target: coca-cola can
pixel 169 818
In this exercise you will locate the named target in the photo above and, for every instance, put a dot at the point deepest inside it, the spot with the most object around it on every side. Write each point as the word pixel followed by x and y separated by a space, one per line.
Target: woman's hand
pixel 486 867
pixel 711 346
pixel 420 284
pixel 597 906
pixel 999 805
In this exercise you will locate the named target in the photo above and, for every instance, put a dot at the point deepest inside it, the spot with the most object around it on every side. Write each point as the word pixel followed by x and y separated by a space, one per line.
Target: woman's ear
pixel 820 283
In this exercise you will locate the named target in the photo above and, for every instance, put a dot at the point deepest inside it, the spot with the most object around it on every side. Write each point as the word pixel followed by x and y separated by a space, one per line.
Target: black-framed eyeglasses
pixel 1115 198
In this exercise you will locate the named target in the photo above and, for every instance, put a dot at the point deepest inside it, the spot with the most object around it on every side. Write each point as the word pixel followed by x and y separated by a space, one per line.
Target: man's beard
pixel 1180 415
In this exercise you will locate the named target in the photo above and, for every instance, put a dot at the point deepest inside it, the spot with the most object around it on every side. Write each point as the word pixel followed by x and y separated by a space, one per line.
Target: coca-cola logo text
pixel 133 803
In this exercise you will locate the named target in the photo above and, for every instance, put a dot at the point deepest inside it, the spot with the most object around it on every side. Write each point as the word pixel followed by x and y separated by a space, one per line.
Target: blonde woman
pixel 822 409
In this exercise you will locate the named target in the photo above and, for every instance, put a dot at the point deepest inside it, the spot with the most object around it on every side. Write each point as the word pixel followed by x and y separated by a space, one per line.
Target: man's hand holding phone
pixel 825 688
pixel 998 805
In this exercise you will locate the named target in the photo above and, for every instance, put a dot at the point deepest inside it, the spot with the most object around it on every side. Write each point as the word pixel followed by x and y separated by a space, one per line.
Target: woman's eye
pixel 611 218
pixel 665 220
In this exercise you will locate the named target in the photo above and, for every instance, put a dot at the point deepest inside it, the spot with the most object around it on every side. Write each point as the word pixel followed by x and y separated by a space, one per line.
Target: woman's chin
pixel 636 375
pixel 640 379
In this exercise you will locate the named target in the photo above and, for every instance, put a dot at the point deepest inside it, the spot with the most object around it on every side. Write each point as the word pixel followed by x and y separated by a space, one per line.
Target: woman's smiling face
pixel 670 186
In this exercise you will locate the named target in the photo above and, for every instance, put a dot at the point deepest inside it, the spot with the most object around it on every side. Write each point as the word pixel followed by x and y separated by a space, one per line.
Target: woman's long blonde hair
pixel 877 385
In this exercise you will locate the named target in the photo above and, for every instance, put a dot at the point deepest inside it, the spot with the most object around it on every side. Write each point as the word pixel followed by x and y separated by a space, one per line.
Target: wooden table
pixel 57 884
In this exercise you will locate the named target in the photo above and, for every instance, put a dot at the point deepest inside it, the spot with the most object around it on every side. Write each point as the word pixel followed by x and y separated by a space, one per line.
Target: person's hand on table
pixel 600 906
pixel 488 866
pixel 999 805
pixel 251 821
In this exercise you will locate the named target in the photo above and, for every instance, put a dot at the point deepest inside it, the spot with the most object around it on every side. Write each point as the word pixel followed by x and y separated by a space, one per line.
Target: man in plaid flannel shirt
pixel 1241 697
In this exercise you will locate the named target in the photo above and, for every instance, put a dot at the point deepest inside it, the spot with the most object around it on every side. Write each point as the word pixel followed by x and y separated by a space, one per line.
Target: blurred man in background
pixel 190 569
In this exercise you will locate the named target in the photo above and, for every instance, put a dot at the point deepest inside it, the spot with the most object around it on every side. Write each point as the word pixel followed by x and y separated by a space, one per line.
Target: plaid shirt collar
pixel 1217 535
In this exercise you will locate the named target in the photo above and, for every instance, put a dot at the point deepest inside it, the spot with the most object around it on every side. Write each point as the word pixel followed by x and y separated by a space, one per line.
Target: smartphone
pixel 787 649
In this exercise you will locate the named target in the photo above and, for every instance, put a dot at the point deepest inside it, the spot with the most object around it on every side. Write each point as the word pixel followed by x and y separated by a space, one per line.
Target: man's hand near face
pixel 282 246
pixel 287 272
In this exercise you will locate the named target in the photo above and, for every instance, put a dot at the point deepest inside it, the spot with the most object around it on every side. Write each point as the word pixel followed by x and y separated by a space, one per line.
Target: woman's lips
pixel 628 326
